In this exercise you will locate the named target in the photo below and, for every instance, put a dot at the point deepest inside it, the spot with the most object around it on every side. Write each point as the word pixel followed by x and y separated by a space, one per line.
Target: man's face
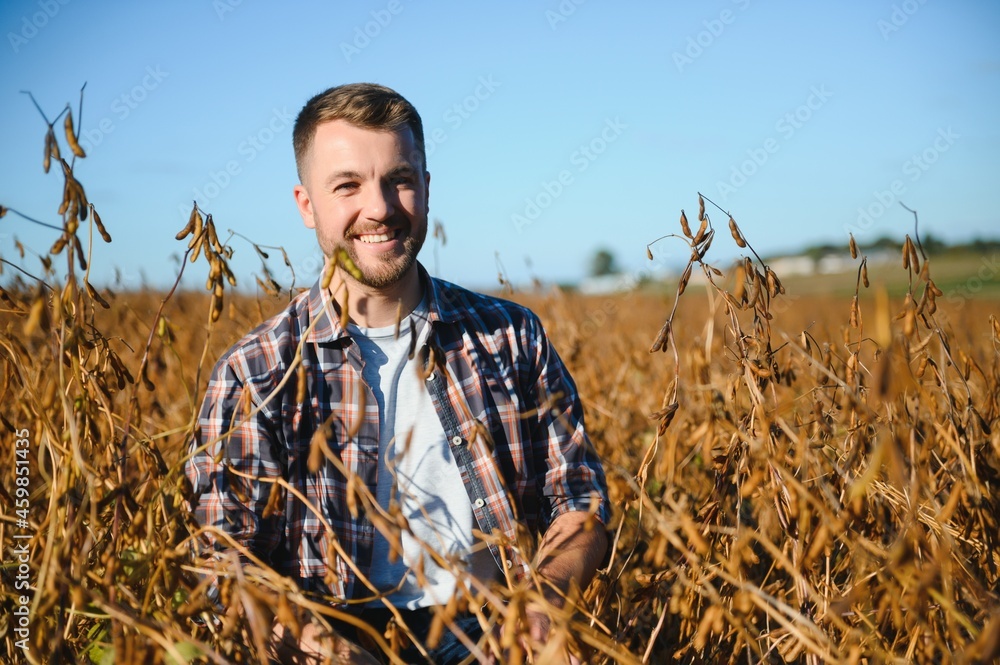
pixel 366 191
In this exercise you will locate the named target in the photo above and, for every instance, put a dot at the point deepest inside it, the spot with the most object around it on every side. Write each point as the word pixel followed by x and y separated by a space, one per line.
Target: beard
pixel 386 271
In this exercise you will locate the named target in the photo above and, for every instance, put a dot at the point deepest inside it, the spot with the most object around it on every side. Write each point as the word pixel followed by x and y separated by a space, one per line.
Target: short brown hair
pixel 367 105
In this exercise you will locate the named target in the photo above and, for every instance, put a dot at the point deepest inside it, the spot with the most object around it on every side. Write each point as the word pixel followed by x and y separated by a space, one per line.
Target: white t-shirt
pixel 417 465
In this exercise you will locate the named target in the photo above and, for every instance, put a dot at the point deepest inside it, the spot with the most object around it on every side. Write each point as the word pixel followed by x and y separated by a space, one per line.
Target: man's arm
pixel 233 458
pixel 570 553
pixel 571 481
pixel 312 648
pixel 570 473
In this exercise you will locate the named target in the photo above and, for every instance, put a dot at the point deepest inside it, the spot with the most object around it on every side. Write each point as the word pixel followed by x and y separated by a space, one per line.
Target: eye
pixel 346 187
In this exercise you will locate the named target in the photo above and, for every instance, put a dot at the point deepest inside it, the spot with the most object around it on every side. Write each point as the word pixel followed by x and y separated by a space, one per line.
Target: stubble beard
pixel 385 273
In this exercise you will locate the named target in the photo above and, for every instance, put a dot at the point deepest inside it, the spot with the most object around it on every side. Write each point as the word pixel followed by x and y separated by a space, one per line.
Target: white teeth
pixel 377 237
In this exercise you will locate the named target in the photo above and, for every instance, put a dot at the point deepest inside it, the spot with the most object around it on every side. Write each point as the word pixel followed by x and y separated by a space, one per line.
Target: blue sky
pixel 554 128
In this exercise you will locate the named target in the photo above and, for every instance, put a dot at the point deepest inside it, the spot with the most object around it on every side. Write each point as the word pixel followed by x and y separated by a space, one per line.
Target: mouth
pixel 375 238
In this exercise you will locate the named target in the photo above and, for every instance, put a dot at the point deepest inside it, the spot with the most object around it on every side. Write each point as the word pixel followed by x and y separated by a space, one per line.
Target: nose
pixel 379 202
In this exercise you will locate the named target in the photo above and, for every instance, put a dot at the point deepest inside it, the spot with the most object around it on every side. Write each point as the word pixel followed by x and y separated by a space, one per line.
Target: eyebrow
pixel 342 175
pixel 402 169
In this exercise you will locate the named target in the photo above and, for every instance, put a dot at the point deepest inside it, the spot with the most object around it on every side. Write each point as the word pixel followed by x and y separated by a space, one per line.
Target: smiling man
pixel 445 414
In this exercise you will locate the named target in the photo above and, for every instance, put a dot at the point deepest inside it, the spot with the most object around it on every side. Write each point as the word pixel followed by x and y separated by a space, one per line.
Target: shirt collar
pixel 442 307
pixel 443 304
pixel 324 312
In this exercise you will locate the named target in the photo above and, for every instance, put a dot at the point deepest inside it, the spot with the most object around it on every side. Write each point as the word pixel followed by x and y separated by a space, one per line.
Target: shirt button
pixel 480 503
pixel 456 440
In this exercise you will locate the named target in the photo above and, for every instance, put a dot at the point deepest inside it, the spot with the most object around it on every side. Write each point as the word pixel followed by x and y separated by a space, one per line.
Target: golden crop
pixel 794 477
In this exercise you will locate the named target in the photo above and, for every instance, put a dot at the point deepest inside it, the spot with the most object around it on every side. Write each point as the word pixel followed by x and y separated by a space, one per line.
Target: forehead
pixel 338 141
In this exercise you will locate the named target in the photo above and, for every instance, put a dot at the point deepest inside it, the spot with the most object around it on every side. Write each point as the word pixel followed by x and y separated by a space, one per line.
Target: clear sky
pixel 553 128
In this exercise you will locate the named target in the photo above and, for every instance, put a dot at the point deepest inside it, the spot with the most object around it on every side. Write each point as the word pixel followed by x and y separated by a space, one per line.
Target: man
pixel 442 413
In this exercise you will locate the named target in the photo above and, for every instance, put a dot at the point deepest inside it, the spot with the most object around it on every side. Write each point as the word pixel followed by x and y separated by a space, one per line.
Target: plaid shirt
pixel 506 401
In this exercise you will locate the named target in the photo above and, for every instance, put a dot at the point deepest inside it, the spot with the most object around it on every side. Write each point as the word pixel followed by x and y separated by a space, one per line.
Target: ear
pixel 304 204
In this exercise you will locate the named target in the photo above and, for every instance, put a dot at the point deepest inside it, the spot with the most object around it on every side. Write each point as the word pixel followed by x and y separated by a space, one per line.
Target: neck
pixel 369 307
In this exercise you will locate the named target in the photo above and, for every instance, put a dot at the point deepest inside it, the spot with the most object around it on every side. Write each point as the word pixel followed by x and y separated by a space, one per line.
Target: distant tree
pixel 932 244
pixel 816 252
pixel 884 242
pixel 983 245
pixel 603 263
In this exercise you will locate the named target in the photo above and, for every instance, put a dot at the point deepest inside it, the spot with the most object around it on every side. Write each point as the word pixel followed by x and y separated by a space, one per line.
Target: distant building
pixel 827 264
pixel 600 285
pixel 793 265
pixel 832 264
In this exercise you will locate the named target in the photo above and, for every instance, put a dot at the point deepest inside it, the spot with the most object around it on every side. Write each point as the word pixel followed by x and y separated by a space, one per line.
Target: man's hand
pixel 314 648
pixel 570 553
pixel 534 639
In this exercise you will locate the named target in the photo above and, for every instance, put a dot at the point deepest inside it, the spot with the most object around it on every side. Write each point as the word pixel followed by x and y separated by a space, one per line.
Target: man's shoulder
pixel 457 303
pixel 268 349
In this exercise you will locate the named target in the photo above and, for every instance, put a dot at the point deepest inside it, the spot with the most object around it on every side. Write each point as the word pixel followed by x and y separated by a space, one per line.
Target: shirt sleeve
pixel 573 477
pixel 234 455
